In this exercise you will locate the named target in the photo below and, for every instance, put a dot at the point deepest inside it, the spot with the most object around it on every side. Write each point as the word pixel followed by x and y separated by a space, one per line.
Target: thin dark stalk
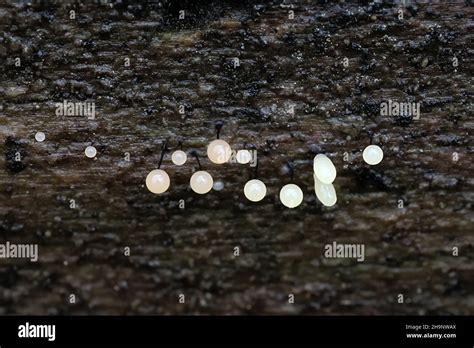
pixel 163 150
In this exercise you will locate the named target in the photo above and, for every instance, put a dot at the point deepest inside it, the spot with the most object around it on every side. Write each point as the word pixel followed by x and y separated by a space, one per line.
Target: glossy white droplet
pixel 255 190
pixel 326 193
pixel 372 155
pixel 201 182
pixel 90 151
pixel 157 181
pixel 179 157
pixel 40 136
pixel 219 151
pixel 218 185
pixel 243 156
pixel 324 169
pixel 291 195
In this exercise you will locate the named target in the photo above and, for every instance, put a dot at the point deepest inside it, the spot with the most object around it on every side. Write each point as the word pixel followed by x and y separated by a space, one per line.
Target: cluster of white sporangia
pixel 201 182
pixel 325 173
pixel 219 152
pixel 291 195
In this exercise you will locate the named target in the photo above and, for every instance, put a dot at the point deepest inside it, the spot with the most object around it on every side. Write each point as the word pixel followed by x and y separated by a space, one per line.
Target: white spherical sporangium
pixel 219 151
pixel 243 156
pixel 90 151
pixel 255 190
pixel 201 182
pixel 291 195
pixel 40 136
pixel 157 181
pixel 372 155
pixel 179 157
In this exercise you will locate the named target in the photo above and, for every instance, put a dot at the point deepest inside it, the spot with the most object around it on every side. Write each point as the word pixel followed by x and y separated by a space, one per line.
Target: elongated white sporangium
pixel 325 192
pixel 324 169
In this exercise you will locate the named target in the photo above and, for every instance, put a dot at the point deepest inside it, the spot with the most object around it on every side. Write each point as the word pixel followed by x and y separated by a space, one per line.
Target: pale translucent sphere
pixel 325 192
pixel 218 186
pixel 39 136
pixel 201 182
pixel 179 157
pixel 291 195
pixel 243 156
pixel 324 169
pixel 219 151
pixel 255 190
pixel 157 181
pixel 372 155
pixel 90 151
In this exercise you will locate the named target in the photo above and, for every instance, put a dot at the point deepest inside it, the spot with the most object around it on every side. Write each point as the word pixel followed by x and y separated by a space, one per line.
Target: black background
pixel 141 330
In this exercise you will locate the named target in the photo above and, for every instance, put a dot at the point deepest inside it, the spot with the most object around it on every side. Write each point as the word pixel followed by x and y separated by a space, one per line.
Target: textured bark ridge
pixel 410 211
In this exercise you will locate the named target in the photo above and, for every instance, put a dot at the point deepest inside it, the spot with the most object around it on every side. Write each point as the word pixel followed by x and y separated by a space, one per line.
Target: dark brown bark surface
pixel 283 62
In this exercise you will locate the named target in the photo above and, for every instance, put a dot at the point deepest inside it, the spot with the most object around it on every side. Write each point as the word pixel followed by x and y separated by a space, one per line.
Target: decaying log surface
pixel 190 62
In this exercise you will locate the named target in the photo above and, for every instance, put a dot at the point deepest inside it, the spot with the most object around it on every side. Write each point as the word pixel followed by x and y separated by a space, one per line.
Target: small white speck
pixel 218 185
pixel 39 136
pixel 90 151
